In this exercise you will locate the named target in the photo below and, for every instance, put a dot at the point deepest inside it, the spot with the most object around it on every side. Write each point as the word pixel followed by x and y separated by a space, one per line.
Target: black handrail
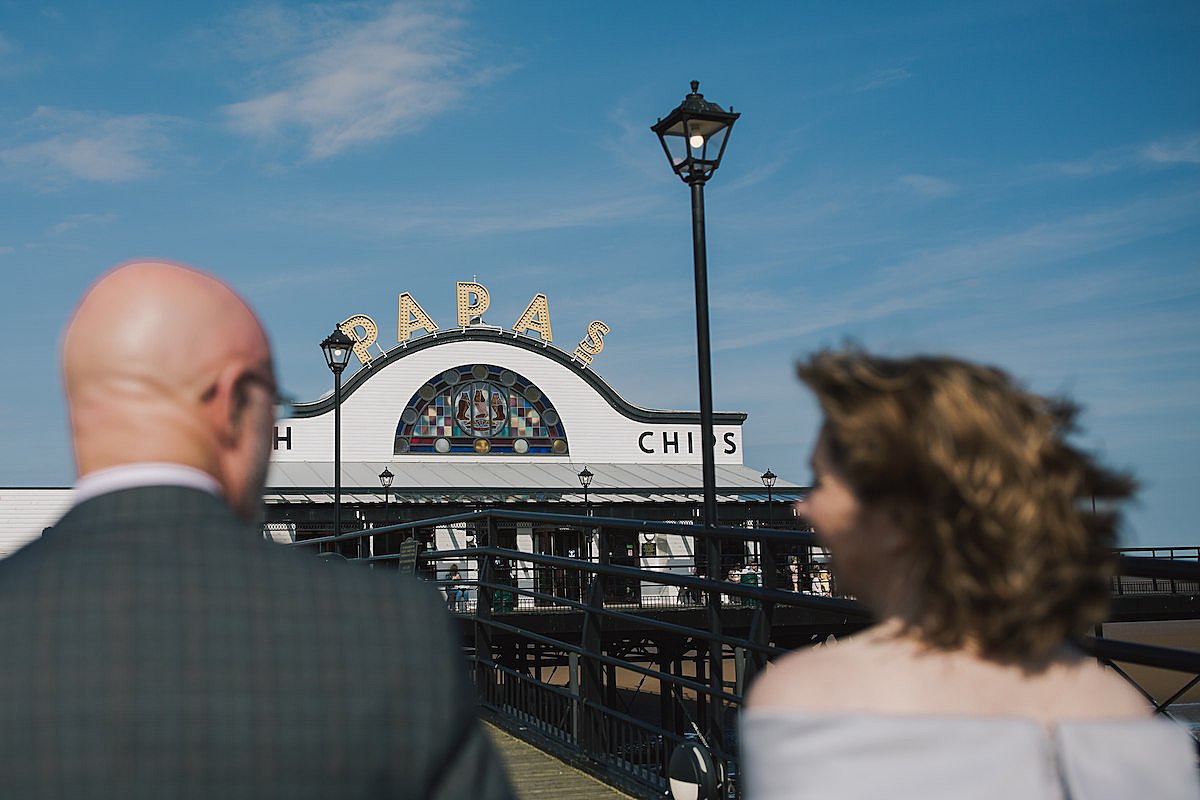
pixel 1144 654
pixel 1142 567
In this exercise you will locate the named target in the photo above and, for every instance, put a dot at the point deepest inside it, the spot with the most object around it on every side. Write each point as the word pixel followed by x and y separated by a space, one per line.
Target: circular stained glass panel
pixel 473 401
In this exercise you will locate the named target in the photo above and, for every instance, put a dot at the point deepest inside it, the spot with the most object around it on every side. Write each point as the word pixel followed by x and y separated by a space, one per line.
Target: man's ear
pixel 240 401
pixel 230 395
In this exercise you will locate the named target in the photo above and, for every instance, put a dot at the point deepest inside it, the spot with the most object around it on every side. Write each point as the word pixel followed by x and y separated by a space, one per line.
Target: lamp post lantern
pixel 693 137
pixel 337 347
pixel 585 480
pixel 385 480
pixel 768 549
pixel 768 479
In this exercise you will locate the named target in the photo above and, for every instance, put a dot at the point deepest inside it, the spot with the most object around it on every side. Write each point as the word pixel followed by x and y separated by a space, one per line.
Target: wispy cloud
pixel 54 145
pixel 963 274
pixel 342 77
pixel 927 185
pixel 1167 151
pixel 571 215
pixel 292 277
pixel 531 210
pixel 1180 150
pixel 7 48
pixel 882 78
pixel 13 60
pixel 80 220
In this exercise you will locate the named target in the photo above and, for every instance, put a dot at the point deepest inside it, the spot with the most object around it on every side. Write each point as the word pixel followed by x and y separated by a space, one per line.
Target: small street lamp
pixel 385 480
pixel 768 550
pixel 768 479
pixel 337 347
pixel 585 480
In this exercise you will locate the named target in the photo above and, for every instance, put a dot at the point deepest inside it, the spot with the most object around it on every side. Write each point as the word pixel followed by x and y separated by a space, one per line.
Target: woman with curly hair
pixel 954 508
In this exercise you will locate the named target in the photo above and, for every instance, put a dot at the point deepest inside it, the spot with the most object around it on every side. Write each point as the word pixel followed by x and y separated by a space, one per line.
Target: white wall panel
pixel 25 512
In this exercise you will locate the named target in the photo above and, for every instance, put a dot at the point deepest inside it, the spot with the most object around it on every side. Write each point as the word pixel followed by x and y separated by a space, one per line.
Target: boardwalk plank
pixel 540 776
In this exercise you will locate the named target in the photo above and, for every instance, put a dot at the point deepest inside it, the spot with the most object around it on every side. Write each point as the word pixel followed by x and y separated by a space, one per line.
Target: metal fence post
pixel 485 677
pixel 576 702
pixel 716 656
pixel 592 644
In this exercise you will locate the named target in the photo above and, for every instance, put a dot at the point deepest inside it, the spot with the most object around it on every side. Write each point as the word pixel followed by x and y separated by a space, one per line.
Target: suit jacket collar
pixel 158 512
pixel 151 473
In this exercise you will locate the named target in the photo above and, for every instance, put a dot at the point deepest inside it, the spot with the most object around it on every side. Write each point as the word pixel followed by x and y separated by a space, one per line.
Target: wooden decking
pixel 540 776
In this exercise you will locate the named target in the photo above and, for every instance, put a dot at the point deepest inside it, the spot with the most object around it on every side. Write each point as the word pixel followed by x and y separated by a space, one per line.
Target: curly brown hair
pixel 995 506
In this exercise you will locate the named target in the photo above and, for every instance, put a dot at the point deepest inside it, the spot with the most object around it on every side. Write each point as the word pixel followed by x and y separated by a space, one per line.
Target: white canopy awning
pixel 499 482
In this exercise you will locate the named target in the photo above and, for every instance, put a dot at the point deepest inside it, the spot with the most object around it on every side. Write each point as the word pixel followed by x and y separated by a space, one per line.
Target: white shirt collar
pixel 151 473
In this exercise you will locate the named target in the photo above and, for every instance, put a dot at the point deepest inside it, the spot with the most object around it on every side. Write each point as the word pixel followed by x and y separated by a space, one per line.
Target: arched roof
pixel 513 339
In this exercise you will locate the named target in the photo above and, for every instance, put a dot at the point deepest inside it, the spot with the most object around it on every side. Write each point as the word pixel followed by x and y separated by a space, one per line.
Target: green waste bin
pixel 503 600
pixel 750 579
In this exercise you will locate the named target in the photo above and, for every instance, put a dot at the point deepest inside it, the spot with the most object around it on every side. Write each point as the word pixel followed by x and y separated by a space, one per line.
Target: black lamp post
pixel 585 480
pixel 768 479
pixel 337 347
pixel 767 556
pixel 385 480
pixel 693 136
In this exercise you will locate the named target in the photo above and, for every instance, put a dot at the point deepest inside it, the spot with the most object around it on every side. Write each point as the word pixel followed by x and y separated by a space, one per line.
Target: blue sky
pixel 1012 182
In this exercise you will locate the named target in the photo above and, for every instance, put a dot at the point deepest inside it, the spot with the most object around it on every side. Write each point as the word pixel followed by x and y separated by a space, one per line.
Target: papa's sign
pixel 472 300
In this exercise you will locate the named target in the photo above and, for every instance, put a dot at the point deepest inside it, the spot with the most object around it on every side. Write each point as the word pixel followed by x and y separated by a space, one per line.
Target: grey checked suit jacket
pixel 153 646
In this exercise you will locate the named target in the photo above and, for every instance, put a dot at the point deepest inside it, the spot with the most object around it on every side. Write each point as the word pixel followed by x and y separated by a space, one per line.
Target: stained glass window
pixel 477 409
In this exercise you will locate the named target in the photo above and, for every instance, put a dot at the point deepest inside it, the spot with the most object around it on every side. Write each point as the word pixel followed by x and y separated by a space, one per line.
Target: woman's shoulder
pixel 877 672
pixel 832 675
pixel 1082 689
pixel 861 755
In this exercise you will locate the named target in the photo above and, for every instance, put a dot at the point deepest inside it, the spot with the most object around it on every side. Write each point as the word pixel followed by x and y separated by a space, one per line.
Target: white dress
pixel 791 754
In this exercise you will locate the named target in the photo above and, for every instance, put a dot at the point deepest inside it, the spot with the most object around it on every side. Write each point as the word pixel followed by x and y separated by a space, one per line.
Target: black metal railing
pixel 1158 570
pixel 609 642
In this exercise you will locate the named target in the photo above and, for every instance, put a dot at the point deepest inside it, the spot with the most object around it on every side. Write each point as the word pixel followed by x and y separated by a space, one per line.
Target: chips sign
pixel 472 300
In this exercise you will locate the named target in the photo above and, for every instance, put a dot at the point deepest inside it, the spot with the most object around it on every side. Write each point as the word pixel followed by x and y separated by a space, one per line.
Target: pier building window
pixel 480 409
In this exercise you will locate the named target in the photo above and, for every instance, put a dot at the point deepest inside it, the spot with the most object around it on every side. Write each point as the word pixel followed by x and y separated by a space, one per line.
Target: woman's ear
pixel 888 523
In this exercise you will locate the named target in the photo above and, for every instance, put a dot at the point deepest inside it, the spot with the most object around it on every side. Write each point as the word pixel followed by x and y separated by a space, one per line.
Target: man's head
pixel 165 363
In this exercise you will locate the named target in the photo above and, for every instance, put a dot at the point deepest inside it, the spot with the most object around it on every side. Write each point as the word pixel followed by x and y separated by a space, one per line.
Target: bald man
pixel 154 646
